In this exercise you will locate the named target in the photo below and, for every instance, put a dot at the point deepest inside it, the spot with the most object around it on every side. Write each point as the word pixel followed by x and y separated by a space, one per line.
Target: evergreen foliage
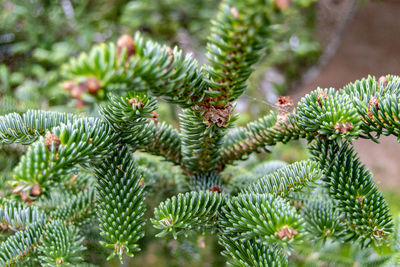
pixel 81 171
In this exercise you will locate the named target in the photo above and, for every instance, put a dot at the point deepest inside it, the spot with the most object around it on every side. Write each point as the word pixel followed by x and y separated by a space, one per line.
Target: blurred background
pixel 325 43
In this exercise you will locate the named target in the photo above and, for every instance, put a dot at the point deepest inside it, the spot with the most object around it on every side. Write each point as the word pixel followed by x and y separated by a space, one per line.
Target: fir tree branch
pixel 20 245
pixel 323 220
pixel 17 216
pixel 27 128
pixel 134 118
pixel 140 65
pixel 60 245
pixel 201 141
pixel 286 179
pixel 377 103
pixel 266 218
pixel 196 211
pixel 237 38
pixel 330 113
pixel 121 206
pixel 251 253
pixel 50 158
pixel 351 186
pixel 258 135
pixel 77 208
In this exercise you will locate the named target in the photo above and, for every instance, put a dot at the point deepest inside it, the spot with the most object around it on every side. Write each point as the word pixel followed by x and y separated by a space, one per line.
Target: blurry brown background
pixel 369 43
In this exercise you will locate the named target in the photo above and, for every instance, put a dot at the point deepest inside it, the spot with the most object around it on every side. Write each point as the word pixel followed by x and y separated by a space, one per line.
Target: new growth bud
pixel 35 190
pixel 282 4
pixel 50 139
pixel 92 85
pixel 126 41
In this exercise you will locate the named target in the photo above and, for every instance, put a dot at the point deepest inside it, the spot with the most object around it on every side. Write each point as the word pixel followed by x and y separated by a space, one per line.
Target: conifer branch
pixel 257 136
pixel 140 65
pixel 265 218
pixel 193 211
pixel 17 216
pixel 323 220
pixel 121 206
pixel 251 253
pixel 27 128
pixel 60 245
pixel 48 159
pixel 77 208
pixel 237 38
pixel 351 186
pixel 20 245
pixel 200 142
pixel 134 118
pixel 286 179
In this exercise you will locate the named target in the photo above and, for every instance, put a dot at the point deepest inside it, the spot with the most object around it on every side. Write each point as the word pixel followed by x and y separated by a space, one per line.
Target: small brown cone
pixel 127 42
pixel 321 95
pixel 373 102
pixel 80 104
pixel 282 4
pixel 235 12
pixel 50 139
pixel 24 196
pixel 383 80
pixel 35 190
pixel 286 232
pixel 77 91
pixel 136 102
pixel 68 85
pixel 284 104
pixel 155 116
pixel 215 188
pixel 92 85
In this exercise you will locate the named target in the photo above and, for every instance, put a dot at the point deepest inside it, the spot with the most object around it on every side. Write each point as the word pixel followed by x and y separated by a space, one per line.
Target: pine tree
pixel 80 170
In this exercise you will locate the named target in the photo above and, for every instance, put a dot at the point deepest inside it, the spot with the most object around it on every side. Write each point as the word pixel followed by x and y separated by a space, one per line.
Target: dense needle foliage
pixel 84 175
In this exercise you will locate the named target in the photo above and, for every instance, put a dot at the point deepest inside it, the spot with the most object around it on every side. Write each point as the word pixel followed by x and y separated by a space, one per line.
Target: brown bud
pixel 126 41
pixel 348 126
pixel 59 261
pixel 136 102
pixel 284 104
pixel 170 51
pixel 378 233
pixel 50 139
pixel 24 196
pixel 68 85
pixel 360 199
pixel 343 127
pixel 201 242
pixel 80 104
pixel 321 95
pixel 373 102
pixel 155 116
pixel 215 188
pixel 141 182
pixel 235 12
pixel 77 91
pixel 383 80
pixel 286 232
pixel 282 4
pixel 92 85
pixel 35 190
